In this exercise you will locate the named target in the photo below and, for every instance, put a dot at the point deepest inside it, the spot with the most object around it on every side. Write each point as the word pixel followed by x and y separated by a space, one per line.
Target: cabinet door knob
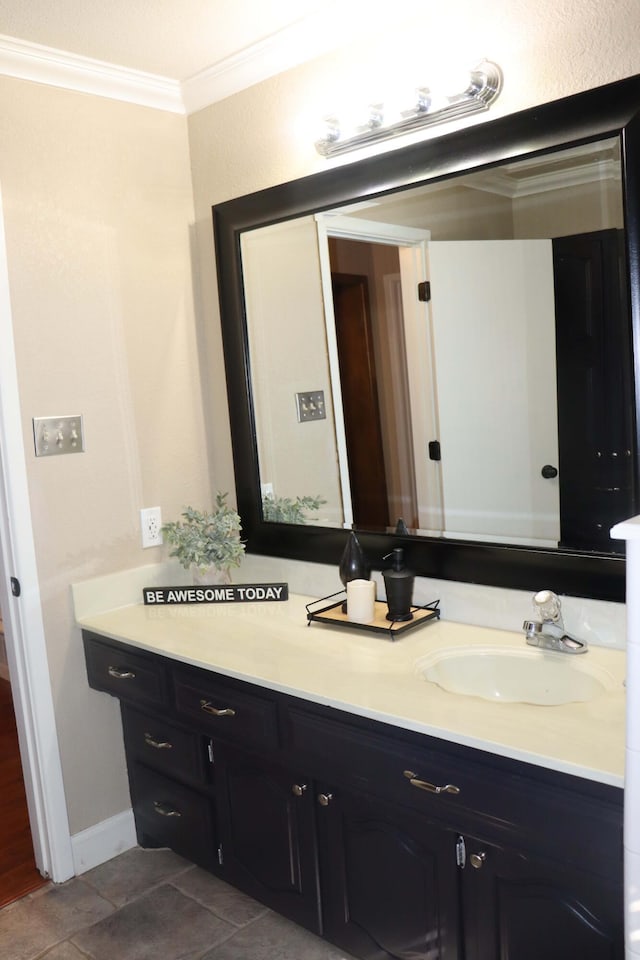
pixel 430 787
pixel 324 799
pixel 298 789
pixel 165 810
pixel 157 744
pixel 208 707
pixel 477 859
pixel 121 673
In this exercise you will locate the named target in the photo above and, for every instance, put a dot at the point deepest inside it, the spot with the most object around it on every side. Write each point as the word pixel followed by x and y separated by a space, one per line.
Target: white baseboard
pixel 103 841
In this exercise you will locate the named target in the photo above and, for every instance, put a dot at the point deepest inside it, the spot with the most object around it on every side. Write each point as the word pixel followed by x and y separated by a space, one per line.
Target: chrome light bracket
pixel 484 87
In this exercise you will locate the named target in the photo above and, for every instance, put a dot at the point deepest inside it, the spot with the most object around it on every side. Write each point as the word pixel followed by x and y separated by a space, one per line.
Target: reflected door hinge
pixel 16 589
pixel 461 853
pixel 424 291
pixel 210 752
pixel 220 856
pixel 435 453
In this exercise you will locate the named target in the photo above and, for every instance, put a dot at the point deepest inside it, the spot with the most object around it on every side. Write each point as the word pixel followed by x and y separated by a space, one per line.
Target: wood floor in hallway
pixel 18 874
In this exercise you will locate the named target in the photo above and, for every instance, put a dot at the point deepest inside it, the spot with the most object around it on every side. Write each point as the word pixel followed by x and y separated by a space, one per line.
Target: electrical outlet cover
pixel 151 525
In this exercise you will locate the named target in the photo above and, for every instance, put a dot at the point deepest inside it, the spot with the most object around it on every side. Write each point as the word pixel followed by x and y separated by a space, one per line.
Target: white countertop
pixel 270 644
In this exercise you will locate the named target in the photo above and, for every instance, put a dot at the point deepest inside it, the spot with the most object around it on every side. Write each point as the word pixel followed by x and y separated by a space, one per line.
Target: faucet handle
pixel 547 605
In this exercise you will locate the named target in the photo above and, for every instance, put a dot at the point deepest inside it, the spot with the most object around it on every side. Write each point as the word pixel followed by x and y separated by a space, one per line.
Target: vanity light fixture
pixel 483 87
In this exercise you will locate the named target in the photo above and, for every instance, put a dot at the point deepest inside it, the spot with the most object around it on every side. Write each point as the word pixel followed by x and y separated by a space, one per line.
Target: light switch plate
pixel 53 436
pixel 310 406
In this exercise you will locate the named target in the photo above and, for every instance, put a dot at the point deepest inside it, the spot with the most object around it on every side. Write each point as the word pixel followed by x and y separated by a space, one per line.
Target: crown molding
pixel 31 61
pixel 293 45
pixel 309 37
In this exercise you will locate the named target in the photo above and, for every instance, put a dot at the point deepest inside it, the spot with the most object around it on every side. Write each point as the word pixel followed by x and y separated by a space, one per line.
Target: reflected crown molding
pixel 582 166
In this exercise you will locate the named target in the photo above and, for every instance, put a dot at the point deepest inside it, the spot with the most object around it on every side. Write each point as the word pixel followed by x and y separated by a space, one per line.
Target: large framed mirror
pixel 437 348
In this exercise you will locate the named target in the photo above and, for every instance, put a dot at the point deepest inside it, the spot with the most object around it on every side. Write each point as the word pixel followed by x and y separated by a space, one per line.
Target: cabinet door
pixel 516 908
pixel 267 829
pixel 389 880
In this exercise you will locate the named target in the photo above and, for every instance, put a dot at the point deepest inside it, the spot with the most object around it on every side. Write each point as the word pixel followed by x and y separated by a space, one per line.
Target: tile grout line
pixel 238 926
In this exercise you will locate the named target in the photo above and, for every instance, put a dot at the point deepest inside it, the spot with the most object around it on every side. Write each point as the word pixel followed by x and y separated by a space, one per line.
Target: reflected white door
pixel 494 341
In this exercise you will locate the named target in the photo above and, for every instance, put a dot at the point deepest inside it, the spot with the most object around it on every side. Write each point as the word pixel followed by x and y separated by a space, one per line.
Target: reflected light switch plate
pixel 311 406
pixel 53 436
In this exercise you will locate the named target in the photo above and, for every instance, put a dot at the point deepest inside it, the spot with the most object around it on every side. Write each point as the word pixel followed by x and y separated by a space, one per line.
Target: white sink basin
pixel 517 676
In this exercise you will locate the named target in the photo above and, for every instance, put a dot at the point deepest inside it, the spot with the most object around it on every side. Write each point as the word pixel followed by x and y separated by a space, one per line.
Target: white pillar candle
pixel 361 599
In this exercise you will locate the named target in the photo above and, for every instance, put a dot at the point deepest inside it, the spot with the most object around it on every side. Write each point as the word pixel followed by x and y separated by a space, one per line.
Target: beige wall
pixel 98 209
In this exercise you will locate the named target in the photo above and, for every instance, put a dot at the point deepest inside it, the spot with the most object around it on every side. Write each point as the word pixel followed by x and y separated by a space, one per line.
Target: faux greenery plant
pixel 289 510
pixel 205 540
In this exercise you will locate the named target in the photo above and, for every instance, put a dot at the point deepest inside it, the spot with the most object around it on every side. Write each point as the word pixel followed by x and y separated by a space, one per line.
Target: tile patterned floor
pixel 151 905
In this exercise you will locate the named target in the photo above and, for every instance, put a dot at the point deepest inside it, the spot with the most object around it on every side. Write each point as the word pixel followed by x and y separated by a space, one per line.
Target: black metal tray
pixel 331 613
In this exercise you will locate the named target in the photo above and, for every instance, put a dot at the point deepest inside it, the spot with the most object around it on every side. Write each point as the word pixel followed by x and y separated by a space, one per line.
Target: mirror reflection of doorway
pixel 369 323
pixel 358 383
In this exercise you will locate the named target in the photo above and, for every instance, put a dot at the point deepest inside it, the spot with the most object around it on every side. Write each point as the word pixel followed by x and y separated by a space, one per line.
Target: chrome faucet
pixel 548 631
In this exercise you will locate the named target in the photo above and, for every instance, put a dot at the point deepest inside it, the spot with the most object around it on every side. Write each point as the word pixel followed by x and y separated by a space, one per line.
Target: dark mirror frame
pixel 609 111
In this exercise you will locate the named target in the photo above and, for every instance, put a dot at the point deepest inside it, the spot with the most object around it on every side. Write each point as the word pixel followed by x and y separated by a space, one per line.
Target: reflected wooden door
pixel 360 400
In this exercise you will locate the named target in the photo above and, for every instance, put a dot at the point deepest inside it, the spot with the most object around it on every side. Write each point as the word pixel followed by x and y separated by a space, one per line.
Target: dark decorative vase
pixel 353 563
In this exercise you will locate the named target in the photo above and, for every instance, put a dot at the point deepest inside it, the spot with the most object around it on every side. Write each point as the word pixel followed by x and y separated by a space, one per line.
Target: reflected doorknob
pixel 477 859
pixel 549 472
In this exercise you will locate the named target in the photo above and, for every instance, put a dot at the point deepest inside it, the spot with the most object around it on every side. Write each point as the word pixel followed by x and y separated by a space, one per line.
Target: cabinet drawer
pixel 224 711
pixel 127 674
pixel 164 746
pixel 505 801
pixel 171 815
pixel 377 766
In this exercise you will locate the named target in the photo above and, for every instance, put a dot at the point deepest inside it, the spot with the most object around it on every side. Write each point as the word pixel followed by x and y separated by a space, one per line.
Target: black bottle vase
pixel 398 583
pixel 353 563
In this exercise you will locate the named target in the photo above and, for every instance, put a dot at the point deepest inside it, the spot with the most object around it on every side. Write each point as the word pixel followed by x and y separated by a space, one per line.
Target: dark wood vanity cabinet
pixel 268 838
pixel 390 844
pixel 389 880
pixel 518 907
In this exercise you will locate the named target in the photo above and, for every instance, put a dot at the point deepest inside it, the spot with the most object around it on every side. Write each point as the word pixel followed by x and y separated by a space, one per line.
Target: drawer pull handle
pixel 430 787
pixel 298 789
pixel 121 673
pixel 208 707
pixel 165 809
pixel 157 744
pixel 324 799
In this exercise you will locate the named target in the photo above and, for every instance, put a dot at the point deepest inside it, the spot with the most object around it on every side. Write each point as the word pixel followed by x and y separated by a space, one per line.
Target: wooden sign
pixel 217 593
